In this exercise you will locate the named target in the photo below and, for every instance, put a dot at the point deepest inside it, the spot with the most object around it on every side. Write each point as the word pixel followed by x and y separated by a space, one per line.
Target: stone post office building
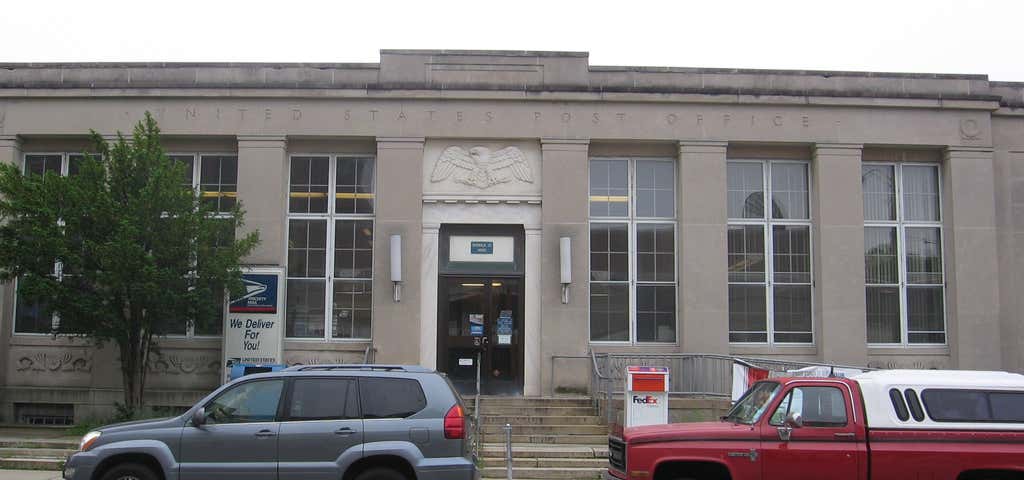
pixel 856 218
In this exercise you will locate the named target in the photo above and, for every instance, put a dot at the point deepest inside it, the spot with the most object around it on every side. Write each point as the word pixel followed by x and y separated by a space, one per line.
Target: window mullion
pixel 769 256
pixel 901 257
pixel 332 166
pixel 631 246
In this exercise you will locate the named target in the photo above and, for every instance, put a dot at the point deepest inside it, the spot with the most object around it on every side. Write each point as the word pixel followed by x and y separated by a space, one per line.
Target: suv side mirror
pixel 794 420
pixel 199 417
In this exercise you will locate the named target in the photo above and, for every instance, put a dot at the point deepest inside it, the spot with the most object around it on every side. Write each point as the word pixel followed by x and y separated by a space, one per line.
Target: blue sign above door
pixel 481 248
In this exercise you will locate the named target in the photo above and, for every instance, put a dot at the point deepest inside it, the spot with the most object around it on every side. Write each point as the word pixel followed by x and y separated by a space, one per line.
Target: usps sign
pixel 253 327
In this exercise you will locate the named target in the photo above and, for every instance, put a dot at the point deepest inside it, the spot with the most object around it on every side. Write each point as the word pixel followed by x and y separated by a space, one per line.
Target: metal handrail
pixel 714 379
pixel 369 354
pixel 475 445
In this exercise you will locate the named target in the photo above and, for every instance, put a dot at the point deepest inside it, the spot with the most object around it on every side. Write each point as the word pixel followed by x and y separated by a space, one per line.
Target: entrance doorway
pixel 480 320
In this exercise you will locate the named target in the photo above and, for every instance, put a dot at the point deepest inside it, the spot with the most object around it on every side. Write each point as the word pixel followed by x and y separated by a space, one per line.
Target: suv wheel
pixel 379 474
pixel 130 471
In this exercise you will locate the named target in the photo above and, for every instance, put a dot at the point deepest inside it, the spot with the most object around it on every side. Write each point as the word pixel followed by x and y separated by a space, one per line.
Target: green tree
pixel 121 251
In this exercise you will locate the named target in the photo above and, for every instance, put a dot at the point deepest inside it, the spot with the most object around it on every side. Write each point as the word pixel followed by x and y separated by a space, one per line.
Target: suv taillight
pixel 454 423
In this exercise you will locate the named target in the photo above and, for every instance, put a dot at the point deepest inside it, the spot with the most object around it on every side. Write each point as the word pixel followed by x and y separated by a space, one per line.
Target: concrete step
pixel 15 442
pixel 548 439
pixel 489 429
pixel 539 411
pixel 541 420
pixel 547 462
pixel 17 463
pixel 536 450
pixel 585 473
pixel 533 401
pixel 9 452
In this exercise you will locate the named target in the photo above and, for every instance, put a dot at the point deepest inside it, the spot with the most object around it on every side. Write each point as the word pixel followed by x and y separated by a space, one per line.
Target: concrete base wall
pixel 680 410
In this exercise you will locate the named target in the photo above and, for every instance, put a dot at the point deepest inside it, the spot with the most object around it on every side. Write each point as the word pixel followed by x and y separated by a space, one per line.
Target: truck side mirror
pixel 794 420
pixel 199 417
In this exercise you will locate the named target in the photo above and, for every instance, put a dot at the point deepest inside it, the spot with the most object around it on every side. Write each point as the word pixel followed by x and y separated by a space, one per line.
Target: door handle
pixel 344 431
pixel 265 434
pixel 845 435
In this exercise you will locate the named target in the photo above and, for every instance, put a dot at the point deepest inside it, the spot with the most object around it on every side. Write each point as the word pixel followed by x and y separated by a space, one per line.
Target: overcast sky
pixel 937 36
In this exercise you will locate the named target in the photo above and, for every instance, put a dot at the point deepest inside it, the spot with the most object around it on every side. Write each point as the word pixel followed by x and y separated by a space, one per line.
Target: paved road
pixel 28 475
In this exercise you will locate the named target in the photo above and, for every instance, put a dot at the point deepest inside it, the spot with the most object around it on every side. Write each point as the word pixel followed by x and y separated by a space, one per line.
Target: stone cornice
pixel 987 103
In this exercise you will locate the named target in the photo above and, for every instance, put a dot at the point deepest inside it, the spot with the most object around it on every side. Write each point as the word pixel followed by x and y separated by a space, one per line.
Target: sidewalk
pixel 28 475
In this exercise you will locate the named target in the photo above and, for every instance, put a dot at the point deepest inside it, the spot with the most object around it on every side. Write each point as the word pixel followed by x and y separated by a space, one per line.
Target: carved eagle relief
pixel 480 167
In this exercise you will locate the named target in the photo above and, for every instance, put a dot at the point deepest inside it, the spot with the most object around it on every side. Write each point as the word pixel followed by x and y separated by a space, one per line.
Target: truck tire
pixel 130 471
pixel 381 473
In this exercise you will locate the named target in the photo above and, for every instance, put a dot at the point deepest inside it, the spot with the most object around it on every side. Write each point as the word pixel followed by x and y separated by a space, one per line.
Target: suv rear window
pixel 974 405
pixel 390 397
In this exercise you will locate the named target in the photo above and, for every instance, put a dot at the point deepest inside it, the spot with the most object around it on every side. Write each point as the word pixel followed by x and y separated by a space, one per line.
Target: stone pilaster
pixel 10 152
pixel 971 258
pixel 397 327
pixel 263 191
pixel 563 328
pixel 703 218
pixel 837 209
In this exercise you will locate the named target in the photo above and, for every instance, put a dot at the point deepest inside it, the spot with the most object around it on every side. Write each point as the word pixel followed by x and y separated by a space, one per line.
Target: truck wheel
pixel 380 473
pixel 130 471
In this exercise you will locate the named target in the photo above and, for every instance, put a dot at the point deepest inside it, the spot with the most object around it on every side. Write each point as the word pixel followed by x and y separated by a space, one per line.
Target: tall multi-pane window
pixel 330 247
pixel 903 269
pixel 632 250
pixel 215 178
pixel 769 252
pixel 31 317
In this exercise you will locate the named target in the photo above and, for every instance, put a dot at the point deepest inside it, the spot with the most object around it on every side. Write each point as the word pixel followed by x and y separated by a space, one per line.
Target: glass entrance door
pixel 480 320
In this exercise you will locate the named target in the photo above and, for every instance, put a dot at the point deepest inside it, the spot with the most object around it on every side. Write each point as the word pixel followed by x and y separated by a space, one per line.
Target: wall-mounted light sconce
pixel 396 267
pixel 565 259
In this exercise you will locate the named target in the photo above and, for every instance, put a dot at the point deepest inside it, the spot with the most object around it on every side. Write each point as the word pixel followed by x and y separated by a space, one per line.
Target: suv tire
pixel 380 473
pixel 130 471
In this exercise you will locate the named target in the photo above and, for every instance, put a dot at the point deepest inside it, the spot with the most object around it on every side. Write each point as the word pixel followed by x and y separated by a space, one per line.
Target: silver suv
pixel 316 422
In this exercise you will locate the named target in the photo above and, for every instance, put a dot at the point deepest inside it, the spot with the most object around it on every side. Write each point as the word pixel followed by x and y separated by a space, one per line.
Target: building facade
pixel 857 218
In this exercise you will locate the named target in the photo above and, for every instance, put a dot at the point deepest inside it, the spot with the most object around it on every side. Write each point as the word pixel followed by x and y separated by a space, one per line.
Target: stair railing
pixel 508 451
pixel 476 410
pixel 599 383
pixel 369 354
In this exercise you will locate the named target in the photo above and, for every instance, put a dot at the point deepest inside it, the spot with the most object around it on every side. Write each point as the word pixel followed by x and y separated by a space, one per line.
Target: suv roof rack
pixel 357 366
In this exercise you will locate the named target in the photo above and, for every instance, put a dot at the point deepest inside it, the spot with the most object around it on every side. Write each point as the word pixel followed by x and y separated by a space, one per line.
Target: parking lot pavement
pixel 28 475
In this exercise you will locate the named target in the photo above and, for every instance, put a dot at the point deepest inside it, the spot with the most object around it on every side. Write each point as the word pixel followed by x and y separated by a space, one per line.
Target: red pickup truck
pixel 883 425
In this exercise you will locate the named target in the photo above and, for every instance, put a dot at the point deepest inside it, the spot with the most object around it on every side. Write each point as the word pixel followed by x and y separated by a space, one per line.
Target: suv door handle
pixel 844 435
pixel 265 434
pixel 344 431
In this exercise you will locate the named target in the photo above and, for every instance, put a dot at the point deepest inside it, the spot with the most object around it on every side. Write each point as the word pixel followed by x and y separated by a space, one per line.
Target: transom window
pixel 769 252
pixel 330 247
pixel 216 179
pixel 632 250
pixel 903 261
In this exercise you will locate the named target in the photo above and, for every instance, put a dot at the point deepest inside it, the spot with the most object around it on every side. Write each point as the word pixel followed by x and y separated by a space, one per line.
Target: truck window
pixel 914 404
pixel 818 406
pixel 899 405
pixel 948 405
pixel 1007 406
pixel 752 405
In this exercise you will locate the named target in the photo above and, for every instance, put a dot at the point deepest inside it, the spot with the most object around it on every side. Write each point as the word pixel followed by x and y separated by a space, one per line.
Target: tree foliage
pixel 123 250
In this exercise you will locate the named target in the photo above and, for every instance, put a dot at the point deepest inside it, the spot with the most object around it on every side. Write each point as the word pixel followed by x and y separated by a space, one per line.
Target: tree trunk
pixel 134 360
